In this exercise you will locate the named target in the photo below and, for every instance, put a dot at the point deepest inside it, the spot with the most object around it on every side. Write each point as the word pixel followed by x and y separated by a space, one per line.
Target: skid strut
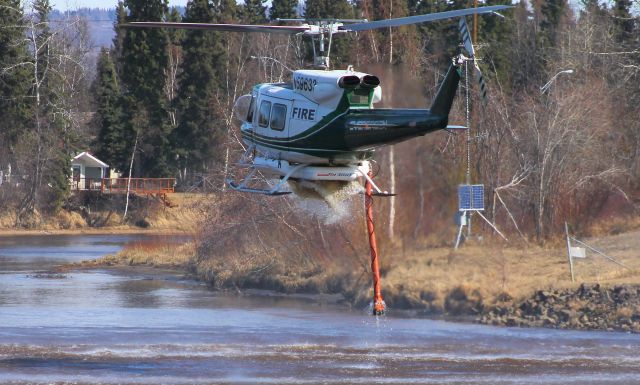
pixel 378 303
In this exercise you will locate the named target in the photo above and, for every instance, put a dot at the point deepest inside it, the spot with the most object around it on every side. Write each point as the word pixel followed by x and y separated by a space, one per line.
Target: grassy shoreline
pixel 146 216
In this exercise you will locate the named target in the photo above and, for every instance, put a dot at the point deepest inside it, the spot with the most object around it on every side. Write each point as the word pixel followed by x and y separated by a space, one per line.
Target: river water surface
pixel 142 327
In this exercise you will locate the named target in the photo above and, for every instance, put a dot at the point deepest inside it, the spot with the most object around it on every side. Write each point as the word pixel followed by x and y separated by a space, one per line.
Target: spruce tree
pixel 197 134
pixel 120 32
pixel 495 35
pixel 226 11
pixel 339 9
pixel 254 11
pixel 283 9
pixel 111 145
pixel 14 78
pixel 552 12
pixel 623 21
pixel 439 35
pixel 144 62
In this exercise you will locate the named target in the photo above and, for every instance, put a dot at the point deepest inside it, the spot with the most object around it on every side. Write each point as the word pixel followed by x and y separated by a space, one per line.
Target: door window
pixel 278 116
pixel 264 114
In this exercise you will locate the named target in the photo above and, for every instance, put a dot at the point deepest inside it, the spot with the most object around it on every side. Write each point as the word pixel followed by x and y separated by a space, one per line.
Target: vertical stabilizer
pixel 444 98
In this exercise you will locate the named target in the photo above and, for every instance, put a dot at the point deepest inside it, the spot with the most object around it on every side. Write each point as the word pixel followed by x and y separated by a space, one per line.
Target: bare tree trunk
pixel 133 154
pixel 391 34
pixel 226 166
pixel 392 188
pixel 419 171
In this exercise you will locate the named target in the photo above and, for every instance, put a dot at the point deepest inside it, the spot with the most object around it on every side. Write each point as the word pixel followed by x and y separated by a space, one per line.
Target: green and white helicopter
pixel 322 126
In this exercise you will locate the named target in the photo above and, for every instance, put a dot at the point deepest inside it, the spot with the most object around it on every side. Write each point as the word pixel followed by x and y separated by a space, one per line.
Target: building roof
pixel 88 160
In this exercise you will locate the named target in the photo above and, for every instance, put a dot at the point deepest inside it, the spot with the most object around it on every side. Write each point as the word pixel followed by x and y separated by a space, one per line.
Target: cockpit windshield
pixel 243 107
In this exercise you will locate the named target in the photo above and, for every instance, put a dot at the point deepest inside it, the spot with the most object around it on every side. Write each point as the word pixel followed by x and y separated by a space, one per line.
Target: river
pixel 150 327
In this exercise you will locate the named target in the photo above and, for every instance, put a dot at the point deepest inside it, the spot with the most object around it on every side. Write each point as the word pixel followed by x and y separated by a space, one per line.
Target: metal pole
pixel 378 303
pixel 468 175
pixel 566 230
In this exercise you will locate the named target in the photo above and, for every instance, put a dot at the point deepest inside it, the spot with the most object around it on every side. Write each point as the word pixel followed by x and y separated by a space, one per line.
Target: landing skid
pixel 273 191
pixel 384 194
pixel 299 171
pixel 256 190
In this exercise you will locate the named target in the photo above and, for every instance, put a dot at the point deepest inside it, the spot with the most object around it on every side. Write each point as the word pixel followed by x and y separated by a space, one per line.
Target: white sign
pixel 577 252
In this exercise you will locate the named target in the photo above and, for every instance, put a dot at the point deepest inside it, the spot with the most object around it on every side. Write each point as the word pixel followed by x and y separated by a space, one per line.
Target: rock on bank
pixel 591 306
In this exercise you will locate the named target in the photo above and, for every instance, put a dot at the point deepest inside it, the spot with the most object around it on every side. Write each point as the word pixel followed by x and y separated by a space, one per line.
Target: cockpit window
pixel 252 107
pixel 278 116
pixel 264 113
pixel 243 107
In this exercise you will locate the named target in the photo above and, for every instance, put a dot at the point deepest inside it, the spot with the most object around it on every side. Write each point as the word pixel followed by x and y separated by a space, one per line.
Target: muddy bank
pixel 592 307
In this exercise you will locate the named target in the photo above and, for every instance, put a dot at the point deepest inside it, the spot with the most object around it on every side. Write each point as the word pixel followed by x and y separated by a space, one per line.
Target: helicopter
pixel 322 125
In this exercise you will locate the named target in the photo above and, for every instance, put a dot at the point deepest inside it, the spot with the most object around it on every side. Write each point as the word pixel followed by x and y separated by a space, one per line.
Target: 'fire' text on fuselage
pixel 303 113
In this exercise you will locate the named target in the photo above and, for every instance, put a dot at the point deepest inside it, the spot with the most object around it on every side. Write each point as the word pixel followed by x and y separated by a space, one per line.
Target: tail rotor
pixel 468 46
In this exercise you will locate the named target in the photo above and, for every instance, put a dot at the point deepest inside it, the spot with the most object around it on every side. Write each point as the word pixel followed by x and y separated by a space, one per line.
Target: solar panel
pixel 470 197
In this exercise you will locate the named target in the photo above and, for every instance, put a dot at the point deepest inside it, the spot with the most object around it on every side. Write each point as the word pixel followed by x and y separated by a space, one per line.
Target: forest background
pixel 164 98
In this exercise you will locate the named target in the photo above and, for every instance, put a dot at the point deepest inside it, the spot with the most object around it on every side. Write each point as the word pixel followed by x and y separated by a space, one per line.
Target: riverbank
pixel 498 284
pixel 96 214
pixel 158 253
pixel 589 307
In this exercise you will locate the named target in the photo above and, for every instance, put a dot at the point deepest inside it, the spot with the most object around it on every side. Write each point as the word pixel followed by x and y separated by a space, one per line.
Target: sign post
pixel 581 252
pixel 566 230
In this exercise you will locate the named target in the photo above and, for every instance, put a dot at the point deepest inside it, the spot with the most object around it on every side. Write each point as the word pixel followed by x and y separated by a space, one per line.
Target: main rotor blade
pixel 422 18
pixel 278 29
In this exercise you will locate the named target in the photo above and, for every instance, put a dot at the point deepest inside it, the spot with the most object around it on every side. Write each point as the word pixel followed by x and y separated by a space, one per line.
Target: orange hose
pixel 378 303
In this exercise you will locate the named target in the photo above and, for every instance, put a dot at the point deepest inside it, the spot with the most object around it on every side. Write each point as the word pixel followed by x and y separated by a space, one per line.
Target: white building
pixel 88 172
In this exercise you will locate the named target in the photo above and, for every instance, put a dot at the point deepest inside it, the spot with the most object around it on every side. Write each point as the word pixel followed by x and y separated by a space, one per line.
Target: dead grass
pixel 148 253
pixel 7 219
pixel 614 226
pixel 66 220
pixel 158 254
pixel 184 215
pixel 498 272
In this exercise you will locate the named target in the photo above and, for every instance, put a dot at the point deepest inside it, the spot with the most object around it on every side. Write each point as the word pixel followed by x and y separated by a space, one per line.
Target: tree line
pixel 161 102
